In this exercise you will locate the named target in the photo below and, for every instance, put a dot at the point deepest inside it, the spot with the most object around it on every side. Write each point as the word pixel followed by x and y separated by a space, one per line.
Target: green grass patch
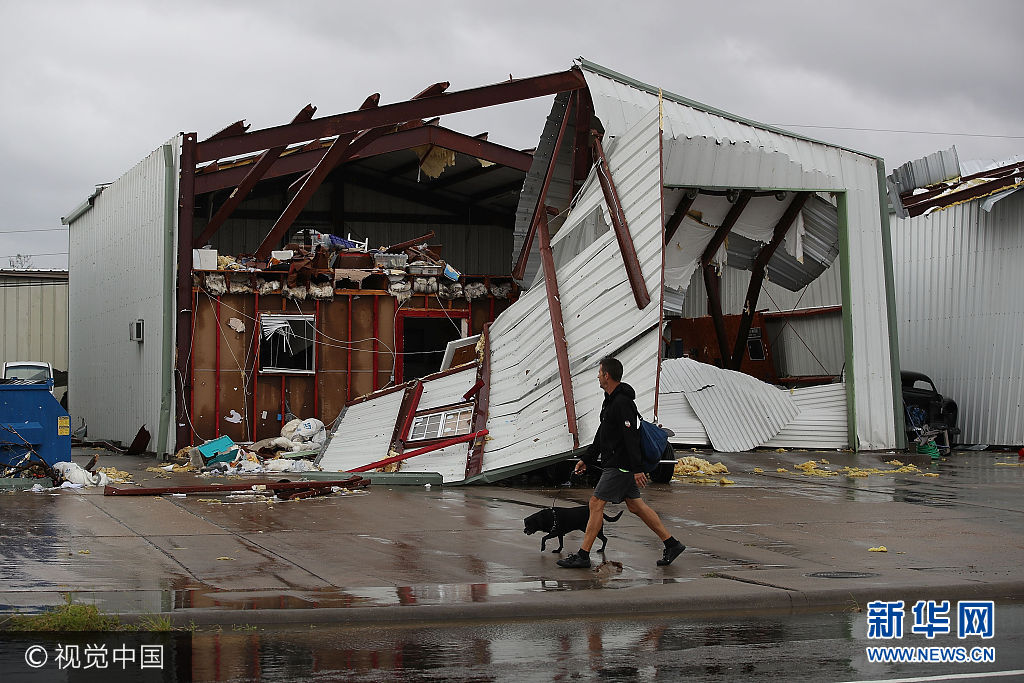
pixel 72 616
pixel 67 617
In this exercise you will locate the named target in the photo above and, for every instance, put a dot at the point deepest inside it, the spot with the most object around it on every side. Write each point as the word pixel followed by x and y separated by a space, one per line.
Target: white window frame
pixel 442 424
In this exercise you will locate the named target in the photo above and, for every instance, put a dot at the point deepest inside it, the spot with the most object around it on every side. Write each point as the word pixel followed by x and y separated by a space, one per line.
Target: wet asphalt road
pixel 241 562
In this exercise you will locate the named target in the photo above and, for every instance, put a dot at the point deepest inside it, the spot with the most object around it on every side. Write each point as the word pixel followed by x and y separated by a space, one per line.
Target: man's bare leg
pixel 645 512
pixel 594 523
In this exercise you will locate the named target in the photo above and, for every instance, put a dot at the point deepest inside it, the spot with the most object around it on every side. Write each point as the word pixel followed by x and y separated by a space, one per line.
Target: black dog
pixel 560 521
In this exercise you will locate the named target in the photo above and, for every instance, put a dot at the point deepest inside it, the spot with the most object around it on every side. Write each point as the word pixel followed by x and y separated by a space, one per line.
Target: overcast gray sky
pixel 87 89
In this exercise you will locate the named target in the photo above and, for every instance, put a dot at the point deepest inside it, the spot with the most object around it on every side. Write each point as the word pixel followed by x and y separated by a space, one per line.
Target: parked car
pixel 924 405
pixel 30 370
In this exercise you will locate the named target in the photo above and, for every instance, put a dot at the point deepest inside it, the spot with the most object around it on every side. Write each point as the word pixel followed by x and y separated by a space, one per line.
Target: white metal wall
pixel 116 271
pixel 34 320
pixel 959 285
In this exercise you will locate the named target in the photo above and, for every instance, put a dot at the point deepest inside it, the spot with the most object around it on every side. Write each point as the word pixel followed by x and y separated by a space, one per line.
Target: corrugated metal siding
pixel 675 413
pixel 34 318
pixel 116 272
pixel 958 292
pixel 704 149
pixel 527 413
pixel 821 422
pixel 364 434
pixel 739 412
pixel 444 391
pixel 934 168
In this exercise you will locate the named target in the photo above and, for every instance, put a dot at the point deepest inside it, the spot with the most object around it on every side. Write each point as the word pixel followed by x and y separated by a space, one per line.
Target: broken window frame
pixel 432 425
pixel 268 338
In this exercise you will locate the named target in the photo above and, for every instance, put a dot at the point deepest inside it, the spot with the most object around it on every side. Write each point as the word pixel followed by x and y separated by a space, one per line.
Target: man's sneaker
pixel 575 561
pixel 671 554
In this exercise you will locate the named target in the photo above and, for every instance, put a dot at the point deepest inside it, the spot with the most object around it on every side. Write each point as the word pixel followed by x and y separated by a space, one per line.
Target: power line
pixel 893 130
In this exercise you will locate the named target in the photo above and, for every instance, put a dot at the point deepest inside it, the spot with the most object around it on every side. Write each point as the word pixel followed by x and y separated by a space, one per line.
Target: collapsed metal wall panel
pixel 365 433
pixel 116 271
pixel 527 412
pixel 821 422
pixel 959 285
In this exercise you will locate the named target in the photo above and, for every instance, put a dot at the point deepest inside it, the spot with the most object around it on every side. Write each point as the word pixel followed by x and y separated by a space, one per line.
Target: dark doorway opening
pixel 423 342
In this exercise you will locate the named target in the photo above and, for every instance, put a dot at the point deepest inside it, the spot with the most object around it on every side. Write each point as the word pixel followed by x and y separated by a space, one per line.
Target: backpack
pixel 653 442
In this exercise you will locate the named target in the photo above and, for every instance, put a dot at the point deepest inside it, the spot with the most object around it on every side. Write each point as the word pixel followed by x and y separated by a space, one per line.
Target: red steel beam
pixel 519 270
pixel 393 114
pixel 338 152
pixel 475 457
pixel 711 277
pixel 757 272
pixel 581 160
pixel 626 248
pixel 673 223
pixel 185 312
pixel 558 328
pixel 300 161
pixel 256 172
pixel 231 130
pixel 403 435
pixel 351 482
pixel 420 451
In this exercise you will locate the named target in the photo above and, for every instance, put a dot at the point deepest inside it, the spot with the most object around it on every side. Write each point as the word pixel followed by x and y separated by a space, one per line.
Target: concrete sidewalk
pixel 771 541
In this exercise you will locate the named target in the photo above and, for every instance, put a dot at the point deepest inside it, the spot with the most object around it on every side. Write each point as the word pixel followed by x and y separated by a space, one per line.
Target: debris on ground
pixel 116 476
pixel 690 466
pixel 878 549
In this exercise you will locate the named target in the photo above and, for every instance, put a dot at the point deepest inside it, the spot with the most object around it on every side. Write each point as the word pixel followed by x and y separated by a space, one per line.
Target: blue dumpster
pixel 33 426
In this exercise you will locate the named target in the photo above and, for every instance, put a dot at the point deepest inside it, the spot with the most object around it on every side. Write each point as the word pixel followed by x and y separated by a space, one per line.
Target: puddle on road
pixel 803 647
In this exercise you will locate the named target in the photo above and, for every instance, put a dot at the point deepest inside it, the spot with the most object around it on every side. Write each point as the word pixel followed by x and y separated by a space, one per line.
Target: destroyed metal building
pixel 584 248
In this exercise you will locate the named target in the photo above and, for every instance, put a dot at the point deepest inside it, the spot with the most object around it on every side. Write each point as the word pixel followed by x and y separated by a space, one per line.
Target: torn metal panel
pixel 926 171
pixel 364 433
pixel 447 390
pixel 820 247
pixel 819 421
pixel 738 411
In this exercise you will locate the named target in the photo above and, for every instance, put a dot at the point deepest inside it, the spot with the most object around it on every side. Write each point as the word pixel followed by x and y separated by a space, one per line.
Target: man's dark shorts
pixel 614 486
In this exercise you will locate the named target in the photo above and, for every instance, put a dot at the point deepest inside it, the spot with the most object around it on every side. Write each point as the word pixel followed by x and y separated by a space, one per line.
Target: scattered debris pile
pixel 300 442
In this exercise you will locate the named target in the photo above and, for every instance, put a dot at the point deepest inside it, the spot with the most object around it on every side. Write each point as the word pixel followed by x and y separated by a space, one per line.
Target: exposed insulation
pixel 215 285
pixel 434 159
pixel 265 287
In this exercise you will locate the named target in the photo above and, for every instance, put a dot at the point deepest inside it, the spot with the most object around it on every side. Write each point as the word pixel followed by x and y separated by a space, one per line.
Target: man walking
pixel 618 444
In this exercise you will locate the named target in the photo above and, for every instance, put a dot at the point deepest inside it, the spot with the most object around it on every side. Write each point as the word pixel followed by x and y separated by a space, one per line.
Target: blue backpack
pixel 653 441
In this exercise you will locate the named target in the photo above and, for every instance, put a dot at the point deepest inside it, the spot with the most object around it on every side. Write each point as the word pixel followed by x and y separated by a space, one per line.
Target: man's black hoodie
pixel 617 441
